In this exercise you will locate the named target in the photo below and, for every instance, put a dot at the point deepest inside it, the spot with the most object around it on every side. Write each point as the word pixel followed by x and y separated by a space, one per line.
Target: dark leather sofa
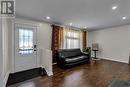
pixel 69 57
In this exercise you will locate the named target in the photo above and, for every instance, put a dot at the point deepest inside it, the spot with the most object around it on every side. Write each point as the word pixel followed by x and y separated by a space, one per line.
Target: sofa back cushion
pixel 69 52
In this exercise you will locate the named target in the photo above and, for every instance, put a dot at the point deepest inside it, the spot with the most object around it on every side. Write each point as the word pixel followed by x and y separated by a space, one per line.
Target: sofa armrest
pixel 87 54
pixel 60 61
pixel 62 57
pixel 84 53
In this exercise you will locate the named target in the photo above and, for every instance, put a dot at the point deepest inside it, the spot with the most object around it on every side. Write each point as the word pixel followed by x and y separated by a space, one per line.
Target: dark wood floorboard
pixel 96 74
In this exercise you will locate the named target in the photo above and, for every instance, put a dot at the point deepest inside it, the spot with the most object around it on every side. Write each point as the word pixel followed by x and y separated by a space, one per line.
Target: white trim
pixel 49 73
pixel 113 60
pixel 6 78
pixel 38 54
pixel 46 61
pixel 26 22
pixel 17 25
pixel 1 55
pixel 13 46
pixel 54 63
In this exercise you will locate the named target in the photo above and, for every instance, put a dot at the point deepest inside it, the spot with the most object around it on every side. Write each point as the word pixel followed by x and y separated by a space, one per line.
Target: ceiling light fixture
pixel 70 24
pixel 48 17
pixel 85 27
pixel 124 18
pixel 114 7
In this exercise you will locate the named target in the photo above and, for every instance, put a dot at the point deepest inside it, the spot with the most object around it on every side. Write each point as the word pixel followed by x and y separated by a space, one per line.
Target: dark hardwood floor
pixel 96 74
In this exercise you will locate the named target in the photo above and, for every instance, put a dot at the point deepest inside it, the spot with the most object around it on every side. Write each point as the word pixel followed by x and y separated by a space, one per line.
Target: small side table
pixel 95 55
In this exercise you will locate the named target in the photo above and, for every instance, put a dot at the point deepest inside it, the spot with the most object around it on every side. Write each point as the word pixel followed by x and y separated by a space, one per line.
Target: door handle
pixel 35 47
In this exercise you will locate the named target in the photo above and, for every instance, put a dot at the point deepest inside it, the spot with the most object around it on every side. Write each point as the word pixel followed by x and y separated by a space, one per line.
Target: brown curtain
pixel 84 33
pixel 61 37
pixel 57 40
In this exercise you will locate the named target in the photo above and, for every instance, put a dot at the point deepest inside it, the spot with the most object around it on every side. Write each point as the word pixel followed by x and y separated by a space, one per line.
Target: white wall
pixel 44 36
pixel 46 61
pixel 44 47
pixel 114 43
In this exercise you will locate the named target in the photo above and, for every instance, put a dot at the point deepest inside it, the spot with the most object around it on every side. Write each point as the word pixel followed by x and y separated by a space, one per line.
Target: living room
pixel 64 43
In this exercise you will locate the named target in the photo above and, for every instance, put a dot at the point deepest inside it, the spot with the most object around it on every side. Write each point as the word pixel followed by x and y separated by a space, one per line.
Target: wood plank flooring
pixel 96 74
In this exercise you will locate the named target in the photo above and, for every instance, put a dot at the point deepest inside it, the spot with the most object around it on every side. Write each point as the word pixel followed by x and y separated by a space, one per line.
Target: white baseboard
pixel 49 73
pixel 1 81
pixel 113 59
pixel 6 78
pixel 54 63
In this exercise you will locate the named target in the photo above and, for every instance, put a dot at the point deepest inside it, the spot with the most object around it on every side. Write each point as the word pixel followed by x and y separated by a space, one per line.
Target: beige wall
pixel 114 43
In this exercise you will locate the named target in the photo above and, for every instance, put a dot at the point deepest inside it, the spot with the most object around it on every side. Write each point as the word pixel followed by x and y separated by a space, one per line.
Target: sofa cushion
pixel 75 59
pixel 69 52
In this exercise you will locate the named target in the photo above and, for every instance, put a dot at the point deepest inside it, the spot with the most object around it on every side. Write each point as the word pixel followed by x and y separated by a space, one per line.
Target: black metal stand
pixel 95 55
pixel 95 51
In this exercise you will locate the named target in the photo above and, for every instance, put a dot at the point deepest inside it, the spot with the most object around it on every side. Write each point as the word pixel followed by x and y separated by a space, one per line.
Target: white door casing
pixel 25 47
pixel 1 57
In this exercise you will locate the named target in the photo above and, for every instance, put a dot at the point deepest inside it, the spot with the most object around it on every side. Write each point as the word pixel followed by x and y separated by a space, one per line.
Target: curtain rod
pixel 71 27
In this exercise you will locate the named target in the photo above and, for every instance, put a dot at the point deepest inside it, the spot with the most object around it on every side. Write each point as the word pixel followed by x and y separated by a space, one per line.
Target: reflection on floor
pixel 96 74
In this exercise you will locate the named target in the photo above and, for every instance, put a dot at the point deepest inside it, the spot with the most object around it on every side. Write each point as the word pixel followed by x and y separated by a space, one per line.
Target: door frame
pixel 1 56
pixel 23 22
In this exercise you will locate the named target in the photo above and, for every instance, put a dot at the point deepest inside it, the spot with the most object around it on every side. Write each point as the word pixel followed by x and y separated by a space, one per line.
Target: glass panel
pixel 73 34
pixel 72 39
pixel 72 43
pixel 70 34
pixel 76 43
pixel 68 43
pixel 76 35
pixel 25 41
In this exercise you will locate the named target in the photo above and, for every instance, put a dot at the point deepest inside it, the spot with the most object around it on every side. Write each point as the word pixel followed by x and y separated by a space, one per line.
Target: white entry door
pixel 25 47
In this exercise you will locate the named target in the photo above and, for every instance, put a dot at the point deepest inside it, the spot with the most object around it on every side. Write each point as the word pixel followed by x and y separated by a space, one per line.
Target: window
pixel 25 41
pixel 72 39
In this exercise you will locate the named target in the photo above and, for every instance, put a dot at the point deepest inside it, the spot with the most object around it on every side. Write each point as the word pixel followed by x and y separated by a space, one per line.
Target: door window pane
pixel 25 41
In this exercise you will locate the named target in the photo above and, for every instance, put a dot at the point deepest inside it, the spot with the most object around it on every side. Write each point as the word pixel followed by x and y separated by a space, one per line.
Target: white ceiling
pixel 95 14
